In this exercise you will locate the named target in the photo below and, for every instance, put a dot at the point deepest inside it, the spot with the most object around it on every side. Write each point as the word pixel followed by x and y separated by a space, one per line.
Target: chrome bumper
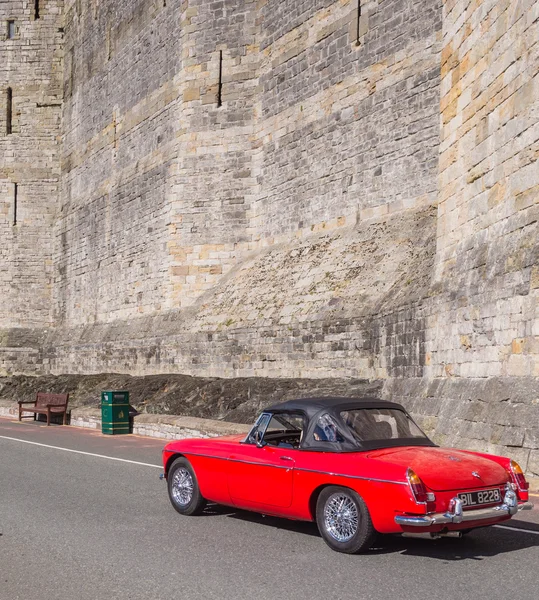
pixel 456 514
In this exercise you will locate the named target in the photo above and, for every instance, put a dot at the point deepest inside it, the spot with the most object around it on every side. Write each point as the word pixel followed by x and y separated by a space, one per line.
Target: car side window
pixel 284 430
pixel 326 430
pixel 380 424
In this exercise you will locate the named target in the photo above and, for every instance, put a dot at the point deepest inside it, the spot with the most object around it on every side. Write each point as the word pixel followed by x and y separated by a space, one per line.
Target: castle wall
pixel 31 67
pixel 321 130
pixel 348 303
pixel 155 173
pixel 221 181
pixel 489 184
pixel 214 180
pixel 280 189
pixel 482 363
pixel 348 112
pixel 120 122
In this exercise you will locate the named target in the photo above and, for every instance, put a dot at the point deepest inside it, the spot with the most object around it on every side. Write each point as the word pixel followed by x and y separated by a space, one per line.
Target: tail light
pixel 419 491
pixel 518 476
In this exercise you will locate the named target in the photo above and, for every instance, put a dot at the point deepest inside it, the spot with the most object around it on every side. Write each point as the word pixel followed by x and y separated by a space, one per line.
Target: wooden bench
pixel 46 404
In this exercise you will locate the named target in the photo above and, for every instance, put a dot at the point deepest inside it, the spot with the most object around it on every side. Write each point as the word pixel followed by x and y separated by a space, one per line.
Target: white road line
pixel 517 529
pixel 133 462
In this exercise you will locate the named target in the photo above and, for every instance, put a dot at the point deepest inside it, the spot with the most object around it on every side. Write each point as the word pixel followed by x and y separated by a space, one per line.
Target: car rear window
pixel 369 424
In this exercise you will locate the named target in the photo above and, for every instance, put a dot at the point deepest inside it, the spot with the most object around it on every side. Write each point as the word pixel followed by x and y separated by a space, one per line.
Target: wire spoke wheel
pixel 182 487
pixel 344 520
pixel 341 517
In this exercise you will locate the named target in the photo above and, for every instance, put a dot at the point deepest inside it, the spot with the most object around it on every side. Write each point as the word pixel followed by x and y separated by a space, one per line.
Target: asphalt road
pixel 80 526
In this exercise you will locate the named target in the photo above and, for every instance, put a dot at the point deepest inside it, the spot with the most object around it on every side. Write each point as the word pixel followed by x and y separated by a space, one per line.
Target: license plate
pixel 482 497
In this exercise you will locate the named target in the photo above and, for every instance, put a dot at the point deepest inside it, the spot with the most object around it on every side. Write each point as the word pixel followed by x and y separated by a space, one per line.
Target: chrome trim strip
pixel 245 462
pixel 203 455
pixel 248 462
pixel 352 476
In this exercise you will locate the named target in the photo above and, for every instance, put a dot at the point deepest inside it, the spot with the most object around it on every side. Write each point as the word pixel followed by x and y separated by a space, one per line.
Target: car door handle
pixel 286 458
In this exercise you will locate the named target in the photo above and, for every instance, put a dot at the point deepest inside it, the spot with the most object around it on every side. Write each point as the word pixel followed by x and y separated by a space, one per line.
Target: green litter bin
pixel 114 412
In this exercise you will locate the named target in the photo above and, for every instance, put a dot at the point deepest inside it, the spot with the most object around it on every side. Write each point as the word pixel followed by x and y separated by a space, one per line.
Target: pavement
pixel 84 516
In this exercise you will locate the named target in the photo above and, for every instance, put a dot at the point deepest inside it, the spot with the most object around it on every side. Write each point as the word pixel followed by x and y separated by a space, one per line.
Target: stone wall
pixel 482 360
pixel 349 127
pixel 31 67
pixel 285 188
pixel 252 196
pixel 213 187
pixel 345 303
pixel 488 255
pixel 120 121
pixel 172 176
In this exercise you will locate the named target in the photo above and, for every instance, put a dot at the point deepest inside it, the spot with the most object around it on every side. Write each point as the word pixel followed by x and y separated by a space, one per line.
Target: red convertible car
pixel 357 467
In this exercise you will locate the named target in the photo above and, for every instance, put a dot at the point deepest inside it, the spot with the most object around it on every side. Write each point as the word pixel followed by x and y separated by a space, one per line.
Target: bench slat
pixel 55 399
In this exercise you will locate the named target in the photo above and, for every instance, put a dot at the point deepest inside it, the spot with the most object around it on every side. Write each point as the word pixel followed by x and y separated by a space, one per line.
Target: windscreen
pixel 370 424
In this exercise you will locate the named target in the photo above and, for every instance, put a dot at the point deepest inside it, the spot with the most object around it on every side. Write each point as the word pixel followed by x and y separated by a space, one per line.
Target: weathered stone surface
pixel 533 463
pixel 235 400
pixel 31 66
pixel 495 415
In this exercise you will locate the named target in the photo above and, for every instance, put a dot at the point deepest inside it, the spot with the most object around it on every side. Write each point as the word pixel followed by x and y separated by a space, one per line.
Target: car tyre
pixel 344 521
pixel 183 489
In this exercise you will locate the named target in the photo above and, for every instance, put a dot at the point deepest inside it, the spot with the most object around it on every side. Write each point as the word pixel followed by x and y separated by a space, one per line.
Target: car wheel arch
pixel 316 493
pixel 171 459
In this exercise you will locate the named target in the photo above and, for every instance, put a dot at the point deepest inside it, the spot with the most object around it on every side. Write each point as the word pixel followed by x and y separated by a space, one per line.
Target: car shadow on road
pixel 477 545
pixel 303 527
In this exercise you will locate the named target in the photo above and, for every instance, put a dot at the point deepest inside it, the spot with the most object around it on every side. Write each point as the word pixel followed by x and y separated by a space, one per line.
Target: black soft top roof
pixel 312 406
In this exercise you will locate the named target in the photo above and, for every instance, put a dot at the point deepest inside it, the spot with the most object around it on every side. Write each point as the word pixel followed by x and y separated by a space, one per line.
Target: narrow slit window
pixel 36 9
pixel 15 199
pixel 9 111
pixel 109 42
pixel 11 30
pixel 72 71
pixel 358 22
pixel 220 84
